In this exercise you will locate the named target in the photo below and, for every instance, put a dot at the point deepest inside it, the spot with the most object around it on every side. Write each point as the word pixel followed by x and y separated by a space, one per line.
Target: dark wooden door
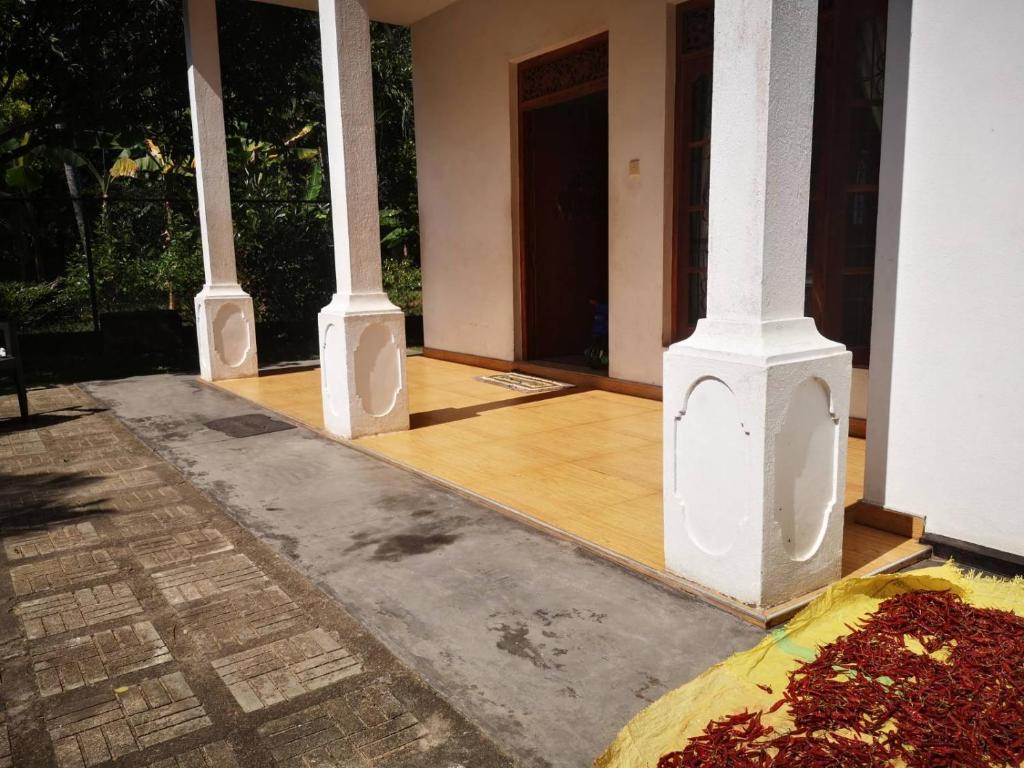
pixel 566 218
pixel 563 108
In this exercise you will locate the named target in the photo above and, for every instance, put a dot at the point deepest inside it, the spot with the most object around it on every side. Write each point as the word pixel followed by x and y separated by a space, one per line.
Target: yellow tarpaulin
pixel 732 685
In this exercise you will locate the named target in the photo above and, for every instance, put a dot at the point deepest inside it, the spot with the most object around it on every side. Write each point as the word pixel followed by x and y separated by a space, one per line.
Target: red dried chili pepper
pixel 961 702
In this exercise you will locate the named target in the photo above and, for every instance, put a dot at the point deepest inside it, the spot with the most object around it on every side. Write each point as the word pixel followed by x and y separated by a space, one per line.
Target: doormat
pixel 521 382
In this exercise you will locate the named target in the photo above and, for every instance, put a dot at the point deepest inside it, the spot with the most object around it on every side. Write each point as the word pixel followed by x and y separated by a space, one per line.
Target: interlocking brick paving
pixel 215 755
pixel 163 520
pixel 210 577
pixel 56 538
pixel 20 444
pixel 358 729
pixel 78 489
pixel 146 629
pixel 74 662
pixel 5 748
pixel 286 669
pixel 61 572
pixel 144 497
pixel 105 725
pixel 240 617
pixel 116 457
pixel 65 611
pixel 160 551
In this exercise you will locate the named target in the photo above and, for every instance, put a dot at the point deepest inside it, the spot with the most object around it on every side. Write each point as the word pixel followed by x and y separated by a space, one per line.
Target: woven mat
pixel 521 382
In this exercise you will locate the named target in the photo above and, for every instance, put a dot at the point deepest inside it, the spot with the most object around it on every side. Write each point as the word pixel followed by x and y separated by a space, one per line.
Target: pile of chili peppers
pixel 927 680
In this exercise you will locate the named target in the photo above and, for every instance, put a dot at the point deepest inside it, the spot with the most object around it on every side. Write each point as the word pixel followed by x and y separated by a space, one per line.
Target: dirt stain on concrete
pixel 547 618
pixel 417 540
pixel 401 545
pixel 651 683
pixel 515 641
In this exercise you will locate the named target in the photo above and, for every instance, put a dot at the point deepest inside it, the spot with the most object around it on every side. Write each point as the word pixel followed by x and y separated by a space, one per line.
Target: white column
pixel 756 402
pixel 225 322
pixel 362 334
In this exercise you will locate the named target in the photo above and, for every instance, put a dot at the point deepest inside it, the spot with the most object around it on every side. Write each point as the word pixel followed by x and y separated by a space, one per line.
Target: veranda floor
pixel 584 462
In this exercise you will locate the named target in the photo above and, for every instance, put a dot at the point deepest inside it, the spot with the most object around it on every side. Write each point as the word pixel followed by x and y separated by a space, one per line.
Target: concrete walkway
pixel 549 650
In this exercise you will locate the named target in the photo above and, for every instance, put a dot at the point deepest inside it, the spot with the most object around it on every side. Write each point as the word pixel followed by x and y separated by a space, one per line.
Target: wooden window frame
pixel 701 59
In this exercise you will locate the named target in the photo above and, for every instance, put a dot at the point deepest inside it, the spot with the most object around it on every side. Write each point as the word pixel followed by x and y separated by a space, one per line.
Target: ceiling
pixel 404 12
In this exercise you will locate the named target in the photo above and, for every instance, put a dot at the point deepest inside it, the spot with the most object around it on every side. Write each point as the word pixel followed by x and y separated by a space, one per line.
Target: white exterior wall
pixel 464 84
pixel 639 206
pixel 955 449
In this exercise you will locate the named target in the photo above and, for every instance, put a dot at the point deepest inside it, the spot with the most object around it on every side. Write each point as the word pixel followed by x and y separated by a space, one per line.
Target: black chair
pixel 10 364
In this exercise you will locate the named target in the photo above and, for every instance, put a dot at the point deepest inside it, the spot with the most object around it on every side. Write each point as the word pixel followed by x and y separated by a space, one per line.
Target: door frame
pixel 573 70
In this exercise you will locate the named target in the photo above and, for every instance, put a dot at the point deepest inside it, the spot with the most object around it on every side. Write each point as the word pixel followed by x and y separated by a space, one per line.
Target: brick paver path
pixel 144 627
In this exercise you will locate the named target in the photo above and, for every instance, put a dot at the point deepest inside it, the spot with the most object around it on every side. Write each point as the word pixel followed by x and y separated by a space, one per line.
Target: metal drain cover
pixel 248 425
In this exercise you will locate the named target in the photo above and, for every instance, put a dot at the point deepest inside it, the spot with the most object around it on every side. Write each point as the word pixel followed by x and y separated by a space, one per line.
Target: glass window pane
pixel 861 223
pixel 856 323
pixel 865 144
pixel 699 240
pixel 869 73
pixel 700 174
pixel 700 105
pixel 698 306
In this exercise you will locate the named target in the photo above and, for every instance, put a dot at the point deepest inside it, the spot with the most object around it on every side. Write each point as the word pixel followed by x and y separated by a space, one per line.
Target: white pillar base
pixel 362 366
pixel 755 427
pixel 226 326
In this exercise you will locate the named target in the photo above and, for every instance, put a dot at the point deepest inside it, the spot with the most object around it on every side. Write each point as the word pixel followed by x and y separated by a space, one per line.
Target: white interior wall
pixel 955 442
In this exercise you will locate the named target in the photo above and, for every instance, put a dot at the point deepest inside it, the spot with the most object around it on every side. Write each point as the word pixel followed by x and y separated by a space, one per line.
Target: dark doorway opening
pixel 564 205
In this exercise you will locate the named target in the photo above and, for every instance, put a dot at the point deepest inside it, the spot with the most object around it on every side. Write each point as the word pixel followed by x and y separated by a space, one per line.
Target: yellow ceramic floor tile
pixel 640 465
pixel 584 410
pixel 579 442
pixel 645 424
pixel 854 470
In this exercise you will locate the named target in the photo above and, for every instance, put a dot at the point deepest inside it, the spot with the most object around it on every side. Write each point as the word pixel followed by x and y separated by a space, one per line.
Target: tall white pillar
pixel 756 401
pixel 362 334
pixel 225 322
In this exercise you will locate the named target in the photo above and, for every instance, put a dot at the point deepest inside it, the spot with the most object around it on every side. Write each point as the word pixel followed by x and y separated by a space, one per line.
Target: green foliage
pixel 404 285
pixel 179 266
pixel 100 85
pixel 32 305
pixel 396 141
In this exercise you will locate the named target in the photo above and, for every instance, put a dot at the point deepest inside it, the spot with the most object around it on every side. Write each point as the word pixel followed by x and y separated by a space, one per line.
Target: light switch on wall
pixel 634 167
